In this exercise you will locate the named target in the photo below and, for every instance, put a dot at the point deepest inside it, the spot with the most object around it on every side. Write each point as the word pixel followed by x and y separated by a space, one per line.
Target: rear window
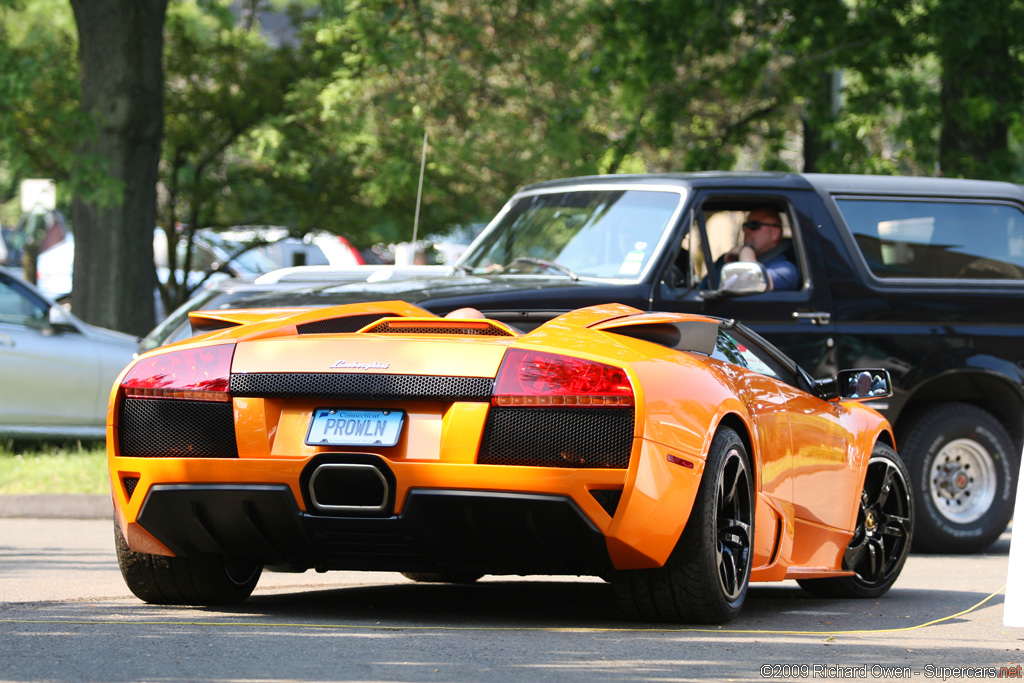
pixel 938 239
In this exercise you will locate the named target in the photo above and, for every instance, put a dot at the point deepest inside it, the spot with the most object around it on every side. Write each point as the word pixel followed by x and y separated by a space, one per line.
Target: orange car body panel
pixel 809 455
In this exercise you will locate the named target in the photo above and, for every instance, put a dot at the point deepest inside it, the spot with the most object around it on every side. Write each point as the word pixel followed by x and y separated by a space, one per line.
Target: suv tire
pixel 964 466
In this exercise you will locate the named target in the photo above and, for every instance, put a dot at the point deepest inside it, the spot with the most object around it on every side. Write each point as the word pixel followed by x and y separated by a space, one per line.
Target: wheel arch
pixel 735 422
pixel 738 425
pixel 991 391
pixel 885 437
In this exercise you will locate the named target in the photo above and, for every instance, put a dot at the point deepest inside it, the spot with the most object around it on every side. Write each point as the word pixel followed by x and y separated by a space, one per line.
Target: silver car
pixel 56 372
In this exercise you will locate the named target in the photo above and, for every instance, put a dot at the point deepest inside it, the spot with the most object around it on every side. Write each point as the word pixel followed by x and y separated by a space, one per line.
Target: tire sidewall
pixel 724 442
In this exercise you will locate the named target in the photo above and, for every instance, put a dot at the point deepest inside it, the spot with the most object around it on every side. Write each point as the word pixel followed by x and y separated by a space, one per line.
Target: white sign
pixel 1013 600
pixel 41 192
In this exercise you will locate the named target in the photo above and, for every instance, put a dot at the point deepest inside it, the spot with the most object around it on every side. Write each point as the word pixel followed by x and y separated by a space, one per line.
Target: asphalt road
pixel 65 615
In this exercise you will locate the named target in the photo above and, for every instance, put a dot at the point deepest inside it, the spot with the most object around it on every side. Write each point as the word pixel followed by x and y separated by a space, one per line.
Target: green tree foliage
pixel 692 80
pixel 936 90
pixel 500 89
pixel 873 107
pixel 224 81
pixel 979 48
pixel 39 94
pixel 879 86
pixel 323 129
pixel 715 85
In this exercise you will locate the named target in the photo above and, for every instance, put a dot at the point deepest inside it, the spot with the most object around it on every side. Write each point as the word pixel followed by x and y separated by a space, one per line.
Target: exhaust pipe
pixel 348 487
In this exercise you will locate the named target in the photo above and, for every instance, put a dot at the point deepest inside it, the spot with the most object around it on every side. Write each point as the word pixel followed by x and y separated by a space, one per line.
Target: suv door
pixel 935 297
pixel 799 321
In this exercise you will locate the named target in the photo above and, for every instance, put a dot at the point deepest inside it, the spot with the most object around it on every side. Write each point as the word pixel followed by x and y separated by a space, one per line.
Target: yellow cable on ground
pixel 568 629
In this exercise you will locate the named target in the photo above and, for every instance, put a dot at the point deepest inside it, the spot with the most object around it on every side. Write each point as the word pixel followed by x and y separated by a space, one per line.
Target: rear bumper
pixel 363 511
pixel 437 531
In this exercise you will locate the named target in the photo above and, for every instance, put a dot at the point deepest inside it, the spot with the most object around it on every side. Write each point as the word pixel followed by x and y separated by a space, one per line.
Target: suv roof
pixel 827 183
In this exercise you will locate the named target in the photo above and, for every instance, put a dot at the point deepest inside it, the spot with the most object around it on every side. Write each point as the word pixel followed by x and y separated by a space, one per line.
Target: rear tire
pixel 202 580
pixel 963 468
pixel 881 541
pixel 705 578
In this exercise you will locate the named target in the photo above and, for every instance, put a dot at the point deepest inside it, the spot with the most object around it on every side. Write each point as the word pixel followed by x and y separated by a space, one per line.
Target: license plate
pixel 346 427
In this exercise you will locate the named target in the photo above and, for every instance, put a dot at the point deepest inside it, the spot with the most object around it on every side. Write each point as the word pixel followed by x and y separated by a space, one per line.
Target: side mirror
pixel 59 318
pixel 741 278
pixel 863 383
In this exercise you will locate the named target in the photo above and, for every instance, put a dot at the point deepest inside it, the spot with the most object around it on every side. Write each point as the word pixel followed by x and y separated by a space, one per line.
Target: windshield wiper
pixel 543 264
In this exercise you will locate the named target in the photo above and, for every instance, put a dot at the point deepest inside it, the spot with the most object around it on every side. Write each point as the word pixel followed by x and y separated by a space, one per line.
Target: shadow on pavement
pixel 567 604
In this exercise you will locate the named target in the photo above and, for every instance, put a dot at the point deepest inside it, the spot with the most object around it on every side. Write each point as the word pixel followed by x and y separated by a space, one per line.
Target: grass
pixel 47 467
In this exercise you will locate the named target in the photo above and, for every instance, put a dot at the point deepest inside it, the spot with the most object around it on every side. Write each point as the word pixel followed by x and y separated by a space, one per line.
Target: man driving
pixel 763 243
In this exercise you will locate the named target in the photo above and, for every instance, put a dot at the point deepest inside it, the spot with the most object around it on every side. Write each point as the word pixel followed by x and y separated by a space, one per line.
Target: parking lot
pixel 65 615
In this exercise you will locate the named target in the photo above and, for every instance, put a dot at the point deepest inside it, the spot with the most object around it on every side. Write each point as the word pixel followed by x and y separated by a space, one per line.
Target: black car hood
pixel 500 294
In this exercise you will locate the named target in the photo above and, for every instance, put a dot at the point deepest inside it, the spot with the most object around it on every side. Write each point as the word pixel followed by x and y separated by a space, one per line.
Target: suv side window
pixel 937 239
pixel 723 221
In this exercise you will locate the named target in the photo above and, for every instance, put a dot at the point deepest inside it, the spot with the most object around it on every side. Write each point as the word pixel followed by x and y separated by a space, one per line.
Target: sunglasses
pixel 754 226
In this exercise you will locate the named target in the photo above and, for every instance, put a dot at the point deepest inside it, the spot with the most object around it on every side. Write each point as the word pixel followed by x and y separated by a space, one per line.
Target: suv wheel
pixel 963 465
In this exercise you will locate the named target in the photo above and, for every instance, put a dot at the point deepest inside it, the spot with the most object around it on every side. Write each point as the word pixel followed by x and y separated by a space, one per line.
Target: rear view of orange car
pixel 643 448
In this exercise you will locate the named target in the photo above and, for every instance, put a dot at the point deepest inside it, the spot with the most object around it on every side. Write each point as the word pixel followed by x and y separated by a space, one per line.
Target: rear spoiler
pixel 210 321
pixel 392 316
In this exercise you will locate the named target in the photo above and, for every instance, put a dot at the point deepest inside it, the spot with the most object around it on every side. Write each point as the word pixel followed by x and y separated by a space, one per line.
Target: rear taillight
pixel 197 374
pixel 533 378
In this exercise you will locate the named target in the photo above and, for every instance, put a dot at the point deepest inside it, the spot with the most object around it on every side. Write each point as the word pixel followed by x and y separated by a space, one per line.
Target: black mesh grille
pixel 487 330
pixel 165 428
pixel 558 437
pixel 361 386
pixel 343 325
pixel 608 499
pixel 129 485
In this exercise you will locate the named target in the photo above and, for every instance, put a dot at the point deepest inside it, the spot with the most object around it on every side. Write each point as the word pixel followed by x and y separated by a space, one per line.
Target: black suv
pixel 921 276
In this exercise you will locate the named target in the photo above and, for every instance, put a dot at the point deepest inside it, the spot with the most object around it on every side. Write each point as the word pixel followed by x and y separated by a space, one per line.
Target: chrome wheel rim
pixel 734 523
pixel 882 537
pixel 962 481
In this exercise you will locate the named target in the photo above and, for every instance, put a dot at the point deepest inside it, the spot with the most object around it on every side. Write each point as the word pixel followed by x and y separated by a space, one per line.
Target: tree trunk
pixel 821 110
pixel 120 50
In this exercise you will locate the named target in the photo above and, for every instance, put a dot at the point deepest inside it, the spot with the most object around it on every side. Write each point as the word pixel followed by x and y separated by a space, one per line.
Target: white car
pixel 56 372
pixel 217 254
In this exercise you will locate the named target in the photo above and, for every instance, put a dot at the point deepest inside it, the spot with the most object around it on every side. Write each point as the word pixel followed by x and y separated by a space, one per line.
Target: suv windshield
pixel 585 233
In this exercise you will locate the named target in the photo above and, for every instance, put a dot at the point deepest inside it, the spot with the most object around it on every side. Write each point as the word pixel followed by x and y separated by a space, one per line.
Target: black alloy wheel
pixel 884 532
pixel 734 524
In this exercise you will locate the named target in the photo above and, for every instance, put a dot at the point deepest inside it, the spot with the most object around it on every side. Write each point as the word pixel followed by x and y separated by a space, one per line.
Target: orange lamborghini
pixel 679 457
